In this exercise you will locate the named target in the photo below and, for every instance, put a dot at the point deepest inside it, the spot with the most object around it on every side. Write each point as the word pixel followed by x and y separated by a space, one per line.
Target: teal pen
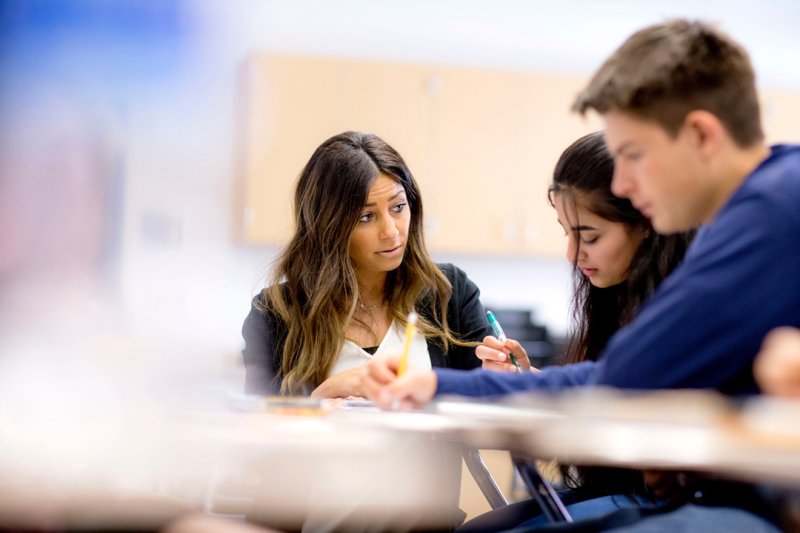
pixel 501 336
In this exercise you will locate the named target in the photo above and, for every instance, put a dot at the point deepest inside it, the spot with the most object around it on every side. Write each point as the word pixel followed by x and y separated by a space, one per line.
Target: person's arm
pixel 704 325
pixel 341 385
pixel 488 383
pixel 260 345
pixel 414 389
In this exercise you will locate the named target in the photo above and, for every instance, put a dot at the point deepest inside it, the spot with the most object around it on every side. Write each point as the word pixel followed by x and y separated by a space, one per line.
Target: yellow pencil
pixel 411 327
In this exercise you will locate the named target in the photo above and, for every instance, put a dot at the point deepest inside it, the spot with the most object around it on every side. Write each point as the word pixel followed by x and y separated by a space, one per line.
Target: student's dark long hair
pixel 314 289
pixel 583 177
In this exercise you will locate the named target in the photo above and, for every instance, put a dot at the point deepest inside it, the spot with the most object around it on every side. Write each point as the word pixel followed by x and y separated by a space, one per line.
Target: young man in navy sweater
pixel 683 123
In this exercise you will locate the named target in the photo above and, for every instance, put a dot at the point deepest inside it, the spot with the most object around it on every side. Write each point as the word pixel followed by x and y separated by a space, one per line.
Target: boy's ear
pixel 705 132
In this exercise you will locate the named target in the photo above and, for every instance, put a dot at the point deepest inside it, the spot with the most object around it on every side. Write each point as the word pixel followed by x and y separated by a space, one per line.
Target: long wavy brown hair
pixel 314 290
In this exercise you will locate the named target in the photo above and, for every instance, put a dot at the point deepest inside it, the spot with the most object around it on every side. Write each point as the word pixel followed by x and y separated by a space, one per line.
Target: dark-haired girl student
pixel 618 260
pixel 352 272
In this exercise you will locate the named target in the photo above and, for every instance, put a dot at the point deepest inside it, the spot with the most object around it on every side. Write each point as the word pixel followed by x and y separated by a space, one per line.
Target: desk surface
pixel 393 463
pixel 299 462
pixel 758 440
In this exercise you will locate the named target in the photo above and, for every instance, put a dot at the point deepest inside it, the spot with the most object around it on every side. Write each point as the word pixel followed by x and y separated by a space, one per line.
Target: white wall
pixel 186 276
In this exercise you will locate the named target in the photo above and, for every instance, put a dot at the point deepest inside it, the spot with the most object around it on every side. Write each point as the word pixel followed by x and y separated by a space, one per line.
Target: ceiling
pixel 567 35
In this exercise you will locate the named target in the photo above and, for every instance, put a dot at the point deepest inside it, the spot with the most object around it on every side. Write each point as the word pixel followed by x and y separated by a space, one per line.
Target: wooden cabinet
pixel 497 138
pixel 481 143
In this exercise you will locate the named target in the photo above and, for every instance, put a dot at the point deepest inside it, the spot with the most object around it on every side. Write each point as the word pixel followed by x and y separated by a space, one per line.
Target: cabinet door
pixel 295 103
pixel 498 135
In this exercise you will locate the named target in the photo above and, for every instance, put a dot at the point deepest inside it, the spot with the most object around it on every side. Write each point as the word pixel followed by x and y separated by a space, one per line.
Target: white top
pixel 353 356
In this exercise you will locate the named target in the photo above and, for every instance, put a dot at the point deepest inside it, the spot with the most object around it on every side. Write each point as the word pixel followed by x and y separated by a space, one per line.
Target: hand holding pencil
pixel 388 382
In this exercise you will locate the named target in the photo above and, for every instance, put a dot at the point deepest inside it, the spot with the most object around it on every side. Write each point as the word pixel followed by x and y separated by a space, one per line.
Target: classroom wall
pixel 183 272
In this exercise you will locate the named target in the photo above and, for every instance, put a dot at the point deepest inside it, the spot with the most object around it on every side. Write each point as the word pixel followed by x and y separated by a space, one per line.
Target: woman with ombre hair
pixel 354 269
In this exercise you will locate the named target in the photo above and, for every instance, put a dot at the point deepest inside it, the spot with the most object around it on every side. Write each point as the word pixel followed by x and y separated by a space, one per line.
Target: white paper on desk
pixel 491 411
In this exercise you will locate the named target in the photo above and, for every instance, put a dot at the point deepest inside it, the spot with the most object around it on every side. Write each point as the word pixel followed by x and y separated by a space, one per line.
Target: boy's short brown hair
pixel 663 72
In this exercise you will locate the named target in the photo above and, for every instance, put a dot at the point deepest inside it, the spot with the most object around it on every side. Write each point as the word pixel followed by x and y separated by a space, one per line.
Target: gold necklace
pixel 365 307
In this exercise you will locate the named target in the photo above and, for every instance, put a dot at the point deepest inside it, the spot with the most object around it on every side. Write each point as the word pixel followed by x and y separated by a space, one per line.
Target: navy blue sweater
pixel 704 325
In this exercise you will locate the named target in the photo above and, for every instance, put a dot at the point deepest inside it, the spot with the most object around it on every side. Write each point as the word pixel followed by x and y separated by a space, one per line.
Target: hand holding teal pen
pixel 501 336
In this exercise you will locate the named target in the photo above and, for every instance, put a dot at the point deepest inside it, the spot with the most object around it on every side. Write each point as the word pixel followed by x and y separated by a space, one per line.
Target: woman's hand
pixel 777 367
pixel 341 385
pixel 381 384
pixel 494 355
